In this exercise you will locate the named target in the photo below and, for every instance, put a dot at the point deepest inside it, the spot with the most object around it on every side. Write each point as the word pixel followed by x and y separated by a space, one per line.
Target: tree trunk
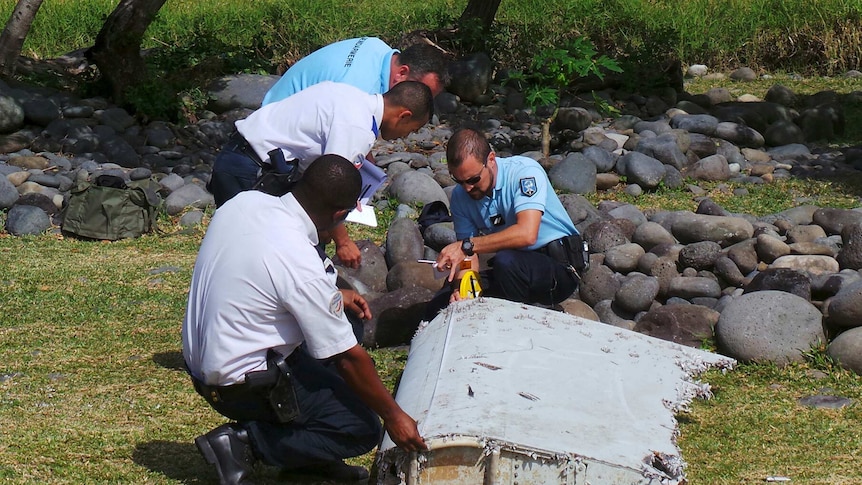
pixel 480 11
pixel 117 49
pixel 14 34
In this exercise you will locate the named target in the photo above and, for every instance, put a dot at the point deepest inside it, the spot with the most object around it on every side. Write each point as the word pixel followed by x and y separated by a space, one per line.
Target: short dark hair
pixel 423 59
pixel 466 142
pixel 414 96
pixel 331 182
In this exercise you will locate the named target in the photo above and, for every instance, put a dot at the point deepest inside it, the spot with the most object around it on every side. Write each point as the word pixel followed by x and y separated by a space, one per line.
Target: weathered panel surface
pixel 510 393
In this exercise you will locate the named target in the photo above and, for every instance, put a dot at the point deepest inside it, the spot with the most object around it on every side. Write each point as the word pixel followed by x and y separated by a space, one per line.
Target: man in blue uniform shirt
pixel 367 63
pixel 507 206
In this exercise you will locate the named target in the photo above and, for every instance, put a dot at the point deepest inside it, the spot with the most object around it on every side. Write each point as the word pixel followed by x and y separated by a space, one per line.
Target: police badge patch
pixel 336 304
pixel 528 186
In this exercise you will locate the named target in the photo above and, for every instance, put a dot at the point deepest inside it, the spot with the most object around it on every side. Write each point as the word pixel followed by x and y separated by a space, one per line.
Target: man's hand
pixel 450 259
pixel 354 302
pixel 404 433
pixel 349 254
pixel 345 248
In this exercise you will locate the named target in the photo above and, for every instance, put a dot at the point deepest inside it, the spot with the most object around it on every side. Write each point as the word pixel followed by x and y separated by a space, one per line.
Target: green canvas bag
pixel 108 208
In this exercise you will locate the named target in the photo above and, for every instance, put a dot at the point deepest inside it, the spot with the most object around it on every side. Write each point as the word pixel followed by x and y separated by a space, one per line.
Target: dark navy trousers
pixel 333 423
pixel 233 172
pixel 518 275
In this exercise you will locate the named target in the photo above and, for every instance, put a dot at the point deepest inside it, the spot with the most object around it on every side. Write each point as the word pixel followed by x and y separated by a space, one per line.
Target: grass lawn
pixel 92 388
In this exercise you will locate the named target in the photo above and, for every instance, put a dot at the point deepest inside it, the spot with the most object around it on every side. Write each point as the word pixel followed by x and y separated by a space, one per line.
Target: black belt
pixel 255 382
pixel 556 250
pixel 238 144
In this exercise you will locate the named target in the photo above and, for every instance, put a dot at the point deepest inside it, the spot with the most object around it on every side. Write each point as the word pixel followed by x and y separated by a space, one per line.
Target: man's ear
pixel 405 115
pixel 402 72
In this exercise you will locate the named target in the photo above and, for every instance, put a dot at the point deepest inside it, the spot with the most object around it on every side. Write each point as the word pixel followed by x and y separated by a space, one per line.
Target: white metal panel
pixel 539 382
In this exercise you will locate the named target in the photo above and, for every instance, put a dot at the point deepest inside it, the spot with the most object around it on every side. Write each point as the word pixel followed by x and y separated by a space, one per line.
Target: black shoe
pixel 228 448
pixel 336 471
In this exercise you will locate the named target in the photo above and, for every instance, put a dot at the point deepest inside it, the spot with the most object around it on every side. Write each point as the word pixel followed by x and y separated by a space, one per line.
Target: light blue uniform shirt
pixel 363 63
pixel 522 184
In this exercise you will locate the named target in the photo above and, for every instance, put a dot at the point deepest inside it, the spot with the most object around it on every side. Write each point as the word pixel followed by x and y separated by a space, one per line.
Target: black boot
pixel 228 448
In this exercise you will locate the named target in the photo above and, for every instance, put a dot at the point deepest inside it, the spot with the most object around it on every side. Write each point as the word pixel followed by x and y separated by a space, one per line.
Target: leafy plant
pixel 555 69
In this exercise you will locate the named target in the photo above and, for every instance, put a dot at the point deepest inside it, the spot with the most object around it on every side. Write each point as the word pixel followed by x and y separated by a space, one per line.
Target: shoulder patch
pixel 528 186
pixel 336 304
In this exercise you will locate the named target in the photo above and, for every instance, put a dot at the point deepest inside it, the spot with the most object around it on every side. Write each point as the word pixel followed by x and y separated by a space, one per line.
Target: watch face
pixel 467 247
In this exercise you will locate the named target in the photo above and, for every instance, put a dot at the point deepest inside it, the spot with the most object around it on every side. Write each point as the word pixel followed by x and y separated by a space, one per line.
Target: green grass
pixel 92 388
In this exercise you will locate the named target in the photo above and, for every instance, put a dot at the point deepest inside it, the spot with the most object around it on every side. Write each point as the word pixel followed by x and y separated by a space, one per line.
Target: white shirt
pixel 326 118
pixel 260 283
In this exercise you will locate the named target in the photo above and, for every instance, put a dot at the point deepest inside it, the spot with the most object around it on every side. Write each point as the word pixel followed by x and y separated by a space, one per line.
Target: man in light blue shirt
pixel 367 63
pixel 507 206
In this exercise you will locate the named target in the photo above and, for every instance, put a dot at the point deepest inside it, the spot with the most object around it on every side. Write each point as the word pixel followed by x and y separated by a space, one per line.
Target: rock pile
pixel 766 288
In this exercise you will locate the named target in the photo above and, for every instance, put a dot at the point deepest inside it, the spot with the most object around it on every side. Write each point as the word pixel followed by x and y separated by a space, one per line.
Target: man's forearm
pixel 357 369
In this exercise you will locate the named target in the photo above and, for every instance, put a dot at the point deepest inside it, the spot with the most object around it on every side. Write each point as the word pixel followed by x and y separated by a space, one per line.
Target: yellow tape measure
pixel 470 287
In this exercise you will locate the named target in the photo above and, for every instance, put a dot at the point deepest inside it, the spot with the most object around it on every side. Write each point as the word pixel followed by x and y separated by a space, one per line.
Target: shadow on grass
pixel 179 461
pixel 170 360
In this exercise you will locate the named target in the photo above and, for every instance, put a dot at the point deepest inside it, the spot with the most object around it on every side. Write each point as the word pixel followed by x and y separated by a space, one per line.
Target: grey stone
pixel 40 111
pixel 744 255
pixel 833 220
pixel 608 313
pixel 623 258
pixel 663 148
pixel 690 325
pixel 744 74
pixel 189 195
pixel 637 292
pixel 769 326
pixel 713 167
pixel 805 233
pixel 641 169
pixel 603 235
pixel 791 152
pixel 395 317
pixel 602 159
pixel 11 115
pixel 239 91
pixel 372 272
pixel 724 230
pixel 689 287
pixel 27 220
pixel 598 284
pixel 116 118
pixel 821 401
pixel 658 127
pixel 470 76
pixel 413 187
pixel 695 123
pixel 850 256
pixel 650 234
pixel 629 212
pixel 769 248
pixel 821 123
pixel 575 174
pixel 439 235
pixel 700 255
pixel 845 308
pixel 403 242
pixel 192 218
pixel 780 94
pixel 739 135
pixel 412 273
pixel 783 132
pixel 781 279
pixel 8 193
pixel 846 349
pixel 813 264
pixel 575 119
pixel 664 269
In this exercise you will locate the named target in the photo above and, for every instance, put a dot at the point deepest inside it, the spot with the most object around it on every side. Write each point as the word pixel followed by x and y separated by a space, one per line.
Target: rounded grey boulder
pixel 846 349
pixel 769 326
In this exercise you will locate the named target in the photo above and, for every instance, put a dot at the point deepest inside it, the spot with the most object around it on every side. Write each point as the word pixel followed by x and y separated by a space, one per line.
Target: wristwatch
pixel 467 247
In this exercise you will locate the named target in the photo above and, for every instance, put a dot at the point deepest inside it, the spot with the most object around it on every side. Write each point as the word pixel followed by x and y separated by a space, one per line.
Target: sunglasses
pixel 472 180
